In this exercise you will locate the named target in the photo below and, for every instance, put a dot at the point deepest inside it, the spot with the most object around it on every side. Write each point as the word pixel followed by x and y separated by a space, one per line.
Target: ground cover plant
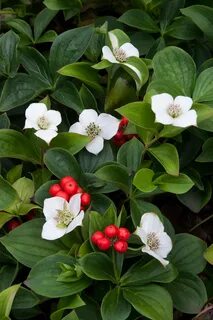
pixel 106 159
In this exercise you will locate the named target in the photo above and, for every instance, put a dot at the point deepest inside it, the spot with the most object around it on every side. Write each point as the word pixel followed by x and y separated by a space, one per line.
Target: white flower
pixel 61 216
pixel 97 127
pixel 157 242
pixel 44 121
pixel 175 112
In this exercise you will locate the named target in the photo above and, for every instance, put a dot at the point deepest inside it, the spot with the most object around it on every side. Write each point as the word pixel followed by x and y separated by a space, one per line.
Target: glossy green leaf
pixel 4 218
pixel 6 300
pixel 130 154
pixel 143 180
pixel 188 293
pixel 13 145
pixel 25 299
pixel 204 86
pixel 8 194
pixel 24 188
pixel 174 184
pixel 183 28
pixel 67 303
pixel 21 26
pixel 151 301
pixel 114 306
pixel 167 155
pixel 208 254
pixel 43 280
pixel 8 53
pixel 138 70
pixel 69 46
pixel 84 72
pixel 174 65
pixel 42 20
pixel 140 273
pixel 187 253
pixel 140 114
pixel 139 19
pixel 116 174
pixel 72 142
pixel 27 246
pixel 20 90
pixel 68 164
pixel 202 16
pixel 98 266
pixel 62 4
pixel 8 273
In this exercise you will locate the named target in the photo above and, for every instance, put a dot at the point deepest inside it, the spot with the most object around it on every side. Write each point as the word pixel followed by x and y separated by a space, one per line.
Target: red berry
pixel 85 199
pixel 97 236
pixel 123 234
pixel 66 179
pixel 119 135
pixel 111 231
pixel 12 224
pixel 79 190
pixel 123 123
pixel 63 194
pixel 55 188
pixel 120 246
pixel 70 187
pixel 103 244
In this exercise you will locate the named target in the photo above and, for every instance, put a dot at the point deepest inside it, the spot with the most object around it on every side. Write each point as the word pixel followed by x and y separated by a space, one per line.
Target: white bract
pixel 175 112
pixel 157 242
pixel 61 216
pixel 97 127
pixel 44 121
pixel 120 54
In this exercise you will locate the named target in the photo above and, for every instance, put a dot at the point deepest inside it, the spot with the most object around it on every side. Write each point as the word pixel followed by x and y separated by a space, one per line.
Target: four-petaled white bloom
pixel 61 216
pixel 97 127
pixel 157 242
pixel 175 112
pixel 44 121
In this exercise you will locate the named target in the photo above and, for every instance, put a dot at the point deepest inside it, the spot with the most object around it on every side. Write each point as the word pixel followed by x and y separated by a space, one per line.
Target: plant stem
pixel 200 223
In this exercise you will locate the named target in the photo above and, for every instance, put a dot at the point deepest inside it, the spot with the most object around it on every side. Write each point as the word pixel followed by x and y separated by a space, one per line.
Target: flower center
pixel 64 217
pixel 93 130
pixel 43 123
pixel 153 241
pixel 120 55
pixel 174 110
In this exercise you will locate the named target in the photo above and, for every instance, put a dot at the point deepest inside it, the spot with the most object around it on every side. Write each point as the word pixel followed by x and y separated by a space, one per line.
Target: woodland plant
pixel 106 159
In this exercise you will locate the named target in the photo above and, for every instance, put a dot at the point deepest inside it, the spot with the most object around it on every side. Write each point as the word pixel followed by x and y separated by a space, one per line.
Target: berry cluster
pixel 120 137
pixel 66 188
pixel 111 236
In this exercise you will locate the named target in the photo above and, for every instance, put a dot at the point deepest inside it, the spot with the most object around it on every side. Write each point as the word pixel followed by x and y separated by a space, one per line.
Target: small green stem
pixel 200 223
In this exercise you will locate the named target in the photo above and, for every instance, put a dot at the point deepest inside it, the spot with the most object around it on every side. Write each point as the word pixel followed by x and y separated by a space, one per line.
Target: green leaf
pixel 13 145
pixel 140 114
pixel 24 188
pixel 83 72
pixel 67 303
pixel 143 180
pixel 169 11
pixel 62 4
pixel 99 221
pixel 68 164
pixel 4 121
pixel 188 293
pixel 116 174
pixel 174 65
pixel 14 173
pixel 151 301
pixel 137 69
pixel 6 300
pixel 98 266
pixel 4 218
pixel 130 154
pixel 72 142
pixel 8 194
pixel 139 19
pixel 48 36
pixel 138 207
pixel 114 306
pixel 25 299
pixel 202 16
pixel 174 184
pixel 43 280
pixel 21 26
pixel 153 271
pixel 208 254
pixel 20 90
pixel 70 46
pixel 8 273
pixel 67 94
pixel 42 20
pixel 183 28
pixel 187 253
pixel 27 246
pixel 8 53
pixel 203 90
pixel 167 155
pixel 43 192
